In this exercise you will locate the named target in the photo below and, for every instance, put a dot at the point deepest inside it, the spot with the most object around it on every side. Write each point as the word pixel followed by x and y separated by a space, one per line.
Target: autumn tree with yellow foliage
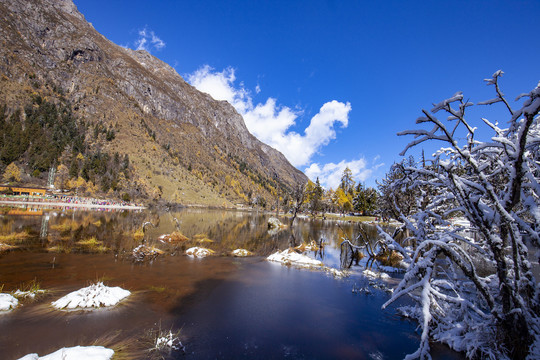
pixel 61 180
pixel 12 173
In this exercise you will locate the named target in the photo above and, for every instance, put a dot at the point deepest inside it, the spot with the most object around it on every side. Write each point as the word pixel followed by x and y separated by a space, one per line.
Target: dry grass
pixel 31 289
pixel 6 247
pixel 138 235
pixel 176 237
pixel 93 245
pixel 389 258
pixel 158 289
pixel 202 238
pixel 14 238
pixel 124 348
pixel 62 228
pixel 59 248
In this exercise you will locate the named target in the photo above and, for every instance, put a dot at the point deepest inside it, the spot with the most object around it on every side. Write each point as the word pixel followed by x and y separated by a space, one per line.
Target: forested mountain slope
pixel 135 126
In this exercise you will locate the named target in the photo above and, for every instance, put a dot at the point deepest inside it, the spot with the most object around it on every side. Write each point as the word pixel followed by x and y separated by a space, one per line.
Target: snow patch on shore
pixel 28 294
pixel 291 257
pixel 374 275
pixel 75 353
pixel 391 269
pixel 338 274
pixel 241 253
pixel 199 252
pixel 93 296
pixel 7 302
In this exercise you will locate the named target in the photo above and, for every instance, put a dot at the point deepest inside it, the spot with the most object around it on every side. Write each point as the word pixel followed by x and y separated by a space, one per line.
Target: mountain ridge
pixel 186 137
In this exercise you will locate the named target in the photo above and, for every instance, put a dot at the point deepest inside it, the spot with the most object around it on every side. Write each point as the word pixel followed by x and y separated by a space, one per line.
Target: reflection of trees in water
pixel 117 232
pixel 363 240
pixel 114 231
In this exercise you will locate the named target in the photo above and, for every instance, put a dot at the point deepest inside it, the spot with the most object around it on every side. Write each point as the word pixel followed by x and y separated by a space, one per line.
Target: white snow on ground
pixel 461 222
pixel 75 353
pixel 95 295
pixel 7 302
pixel 242 252
pixel 336 273
pixel 291 257
pixel 402 267
pixel 169 341
pixel 198 252
pixel 28 294
pixel 374 275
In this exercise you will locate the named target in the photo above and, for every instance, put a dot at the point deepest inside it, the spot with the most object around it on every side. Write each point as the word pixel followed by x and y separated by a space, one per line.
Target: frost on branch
pixel 473 286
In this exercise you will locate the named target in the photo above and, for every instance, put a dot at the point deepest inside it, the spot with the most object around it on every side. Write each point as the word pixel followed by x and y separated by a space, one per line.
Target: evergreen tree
pixel 316 198
pixel 347 182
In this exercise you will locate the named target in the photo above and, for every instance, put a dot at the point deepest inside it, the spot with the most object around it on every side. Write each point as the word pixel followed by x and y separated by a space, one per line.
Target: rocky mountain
pixel 183 146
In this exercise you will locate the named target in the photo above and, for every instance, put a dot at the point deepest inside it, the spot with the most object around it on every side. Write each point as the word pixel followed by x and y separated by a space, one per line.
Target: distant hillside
pixel 180 144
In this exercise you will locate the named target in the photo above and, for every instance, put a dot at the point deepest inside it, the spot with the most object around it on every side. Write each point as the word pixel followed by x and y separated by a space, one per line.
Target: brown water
pixel 224 307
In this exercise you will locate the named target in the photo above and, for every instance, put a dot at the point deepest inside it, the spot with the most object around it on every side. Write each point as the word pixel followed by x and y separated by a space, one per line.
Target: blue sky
pixel 332 82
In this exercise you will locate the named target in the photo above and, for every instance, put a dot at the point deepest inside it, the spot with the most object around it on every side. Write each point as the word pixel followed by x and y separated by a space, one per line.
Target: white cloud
pixel 330 174
pixel 270 122
pixel 148 40
pixel 219 85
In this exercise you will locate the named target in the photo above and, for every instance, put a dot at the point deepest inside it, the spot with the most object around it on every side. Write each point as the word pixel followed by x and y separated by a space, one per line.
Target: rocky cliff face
pixel 179 139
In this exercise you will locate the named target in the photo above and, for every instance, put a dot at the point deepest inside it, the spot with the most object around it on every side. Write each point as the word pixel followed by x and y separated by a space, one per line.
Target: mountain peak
pixel 178 139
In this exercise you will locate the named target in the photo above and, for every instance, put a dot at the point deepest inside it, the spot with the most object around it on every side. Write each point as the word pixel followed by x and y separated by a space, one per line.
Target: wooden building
pixel 22 190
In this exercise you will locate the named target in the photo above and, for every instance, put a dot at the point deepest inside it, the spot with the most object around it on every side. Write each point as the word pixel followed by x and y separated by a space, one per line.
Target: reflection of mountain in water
pixel 121 232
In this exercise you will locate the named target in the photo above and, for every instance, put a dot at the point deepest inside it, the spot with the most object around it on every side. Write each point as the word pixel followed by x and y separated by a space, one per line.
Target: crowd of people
pixel 68 200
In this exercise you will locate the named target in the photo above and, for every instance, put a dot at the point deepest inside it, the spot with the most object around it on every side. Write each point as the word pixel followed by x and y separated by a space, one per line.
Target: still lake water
pixel 224 307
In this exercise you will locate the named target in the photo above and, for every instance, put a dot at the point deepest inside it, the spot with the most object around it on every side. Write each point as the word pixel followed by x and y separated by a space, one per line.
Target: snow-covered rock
pixel 28 294
pixel 374 275
pixel 142 252
pixel 291 257
pixel 169 341
pixel 338 274
pixel 7 302
pixel 274 223
pixel 93 296
pixel 241 253
pixel 75 353
pixel 311 246
pixel 199 252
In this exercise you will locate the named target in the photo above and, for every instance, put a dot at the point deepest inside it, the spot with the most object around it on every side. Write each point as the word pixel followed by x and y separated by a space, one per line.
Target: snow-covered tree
pixel 473 287
pixel 394 201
